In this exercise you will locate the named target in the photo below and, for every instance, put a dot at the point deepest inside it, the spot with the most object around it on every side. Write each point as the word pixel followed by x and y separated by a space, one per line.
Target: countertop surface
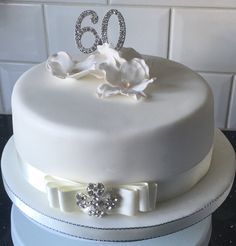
pixel 224 219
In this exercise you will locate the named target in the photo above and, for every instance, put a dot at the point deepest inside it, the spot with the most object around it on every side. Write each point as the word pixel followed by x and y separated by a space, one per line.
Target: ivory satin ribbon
pixel 135 197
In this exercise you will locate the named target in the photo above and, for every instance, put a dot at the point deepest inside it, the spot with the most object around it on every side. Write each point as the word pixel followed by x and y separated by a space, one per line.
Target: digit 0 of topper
pixel 80 31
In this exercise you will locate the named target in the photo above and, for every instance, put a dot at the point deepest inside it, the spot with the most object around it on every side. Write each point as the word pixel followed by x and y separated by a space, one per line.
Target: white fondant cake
pixel 102 136
pixel 63 129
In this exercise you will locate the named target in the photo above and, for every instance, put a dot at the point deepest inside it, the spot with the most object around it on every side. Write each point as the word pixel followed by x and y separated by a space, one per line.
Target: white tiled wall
pixel 204 39
pixel 57 19
pixel 198 33
pixel 22 33
pixel 9 73
pixel 221 86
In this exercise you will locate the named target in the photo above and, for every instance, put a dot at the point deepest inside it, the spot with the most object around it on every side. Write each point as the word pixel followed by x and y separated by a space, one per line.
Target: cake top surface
pixel 73 104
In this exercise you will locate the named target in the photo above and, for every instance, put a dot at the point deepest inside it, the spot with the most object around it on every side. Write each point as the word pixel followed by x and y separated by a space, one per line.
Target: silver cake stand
pixel 27 233
pixel 184 220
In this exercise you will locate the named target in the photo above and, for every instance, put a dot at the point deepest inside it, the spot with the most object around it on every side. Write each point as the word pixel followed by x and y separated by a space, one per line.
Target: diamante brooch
pixel 98 201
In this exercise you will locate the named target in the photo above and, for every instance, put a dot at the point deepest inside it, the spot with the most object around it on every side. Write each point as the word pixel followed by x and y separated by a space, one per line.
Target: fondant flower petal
pixel 112 55
pixel 88 64
pixel 144 66
pixel 113 75
pixel 136 95
pixel 142 86
pixel 79 74
pixel 94 72
pixel 134 71
pixel 60 64
pixel 100 74
pixel 105 90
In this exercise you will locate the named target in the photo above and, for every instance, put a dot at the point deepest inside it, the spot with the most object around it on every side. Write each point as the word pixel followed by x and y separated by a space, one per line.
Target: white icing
pixel 62 128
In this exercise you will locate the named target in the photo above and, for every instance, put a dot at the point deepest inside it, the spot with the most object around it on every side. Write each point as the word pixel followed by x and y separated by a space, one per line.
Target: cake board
pixel 27 233
pixel 170 216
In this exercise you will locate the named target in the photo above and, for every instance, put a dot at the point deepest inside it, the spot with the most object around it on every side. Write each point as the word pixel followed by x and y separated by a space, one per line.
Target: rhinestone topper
pixel 79 31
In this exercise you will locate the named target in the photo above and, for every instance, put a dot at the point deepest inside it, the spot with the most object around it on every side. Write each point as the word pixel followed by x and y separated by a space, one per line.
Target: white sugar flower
pixel 130 78
pixel 63 66
pixel 125 72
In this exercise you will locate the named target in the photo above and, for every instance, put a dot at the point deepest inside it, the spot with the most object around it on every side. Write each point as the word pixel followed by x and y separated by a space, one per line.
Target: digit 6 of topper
pixel 79 31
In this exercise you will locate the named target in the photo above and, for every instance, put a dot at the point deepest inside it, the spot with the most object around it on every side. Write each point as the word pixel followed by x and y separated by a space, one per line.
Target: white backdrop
pixel 198 33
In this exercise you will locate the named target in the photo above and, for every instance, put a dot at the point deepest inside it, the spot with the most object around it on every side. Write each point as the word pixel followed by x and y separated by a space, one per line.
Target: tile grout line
pixel 173 6
pixel 64 3
pixel 1 94
pixel 229 106
pixel 45 30
pixel 169 33
pixel 108 2
pixel 19 62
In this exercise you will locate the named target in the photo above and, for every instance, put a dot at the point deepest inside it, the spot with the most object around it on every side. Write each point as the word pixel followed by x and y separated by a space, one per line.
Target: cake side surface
pixel 62 128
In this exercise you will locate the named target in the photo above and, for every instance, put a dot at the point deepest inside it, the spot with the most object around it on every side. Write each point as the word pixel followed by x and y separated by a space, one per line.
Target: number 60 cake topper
pixel 79 31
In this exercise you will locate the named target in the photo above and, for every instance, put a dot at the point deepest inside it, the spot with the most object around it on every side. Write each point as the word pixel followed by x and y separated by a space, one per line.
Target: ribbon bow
pixel 130 198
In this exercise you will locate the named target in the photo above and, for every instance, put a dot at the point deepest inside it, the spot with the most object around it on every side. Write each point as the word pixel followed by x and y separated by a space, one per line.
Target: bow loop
pixel 127 199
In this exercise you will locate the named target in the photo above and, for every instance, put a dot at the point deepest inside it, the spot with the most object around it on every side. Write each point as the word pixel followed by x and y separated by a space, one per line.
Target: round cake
pixel 63 129
pixel 119 136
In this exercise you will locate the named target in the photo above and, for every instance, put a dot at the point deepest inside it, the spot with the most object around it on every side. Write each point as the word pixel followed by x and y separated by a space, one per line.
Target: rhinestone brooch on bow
pixel 97 202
